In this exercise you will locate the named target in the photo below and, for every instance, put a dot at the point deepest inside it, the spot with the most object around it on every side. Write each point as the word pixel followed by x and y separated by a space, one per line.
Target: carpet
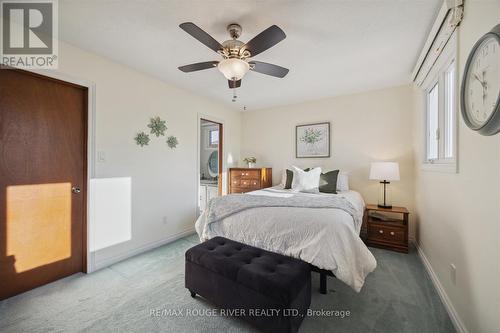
pixel 146 294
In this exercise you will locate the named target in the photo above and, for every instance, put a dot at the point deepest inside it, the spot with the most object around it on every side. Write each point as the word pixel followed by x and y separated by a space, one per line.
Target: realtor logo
pixel 29 33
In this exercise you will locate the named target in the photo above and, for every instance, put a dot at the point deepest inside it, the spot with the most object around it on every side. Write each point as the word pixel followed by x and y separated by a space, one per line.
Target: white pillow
pixel 305 181
pixel 283 178
pixel 343 181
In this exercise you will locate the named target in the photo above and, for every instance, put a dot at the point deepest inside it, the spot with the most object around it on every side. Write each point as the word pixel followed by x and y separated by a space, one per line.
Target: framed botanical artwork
pixel 312 140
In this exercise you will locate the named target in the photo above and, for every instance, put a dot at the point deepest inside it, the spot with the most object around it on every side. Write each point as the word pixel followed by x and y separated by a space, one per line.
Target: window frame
pixel 209 141
pixel 438 75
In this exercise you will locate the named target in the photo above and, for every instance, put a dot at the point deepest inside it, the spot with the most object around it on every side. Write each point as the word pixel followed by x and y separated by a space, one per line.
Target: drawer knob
pixel 392 233
pixel 381 231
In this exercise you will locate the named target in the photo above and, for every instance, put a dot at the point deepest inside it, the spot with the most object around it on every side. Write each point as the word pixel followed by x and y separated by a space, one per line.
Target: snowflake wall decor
pixel 157 126
pixel 172 142
pixel 142 139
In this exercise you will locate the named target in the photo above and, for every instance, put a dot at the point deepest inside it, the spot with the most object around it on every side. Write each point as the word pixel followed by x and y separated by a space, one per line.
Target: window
pixel 441 112
pixel 213 138
pixel 450 110
pixel 433 122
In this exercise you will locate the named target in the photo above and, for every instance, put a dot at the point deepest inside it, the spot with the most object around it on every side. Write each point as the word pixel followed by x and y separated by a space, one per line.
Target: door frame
pixel 222 159
pixel 88 257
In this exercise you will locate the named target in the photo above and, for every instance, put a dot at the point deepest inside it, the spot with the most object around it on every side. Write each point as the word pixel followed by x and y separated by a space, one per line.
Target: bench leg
pixel 193 294
pixel 322 283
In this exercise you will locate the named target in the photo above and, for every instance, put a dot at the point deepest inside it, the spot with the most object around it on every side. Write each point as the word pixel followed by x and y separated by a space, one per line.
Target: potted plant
pixel 250 161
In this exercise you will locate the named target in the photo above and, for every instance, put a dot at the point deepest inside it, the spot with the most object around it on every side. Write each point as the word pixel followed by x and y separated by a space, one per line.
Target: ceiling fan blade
pixel 201 35
pixel 198 66
pixel 266 39
pixel 269 69
pixel 234 84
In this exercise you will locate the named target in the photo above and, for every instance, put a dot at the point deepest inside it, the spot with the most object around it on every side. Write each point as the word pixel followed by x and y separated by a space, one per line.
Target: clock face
pixel 482 86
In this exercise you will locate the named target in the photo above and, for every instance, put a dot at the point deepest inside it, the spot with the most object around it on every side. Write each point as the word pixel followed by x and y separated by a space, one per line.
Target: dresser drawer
pixel 251 183
pixel 380 232
pixel 245 174
pixel 241 189
pixel 246 183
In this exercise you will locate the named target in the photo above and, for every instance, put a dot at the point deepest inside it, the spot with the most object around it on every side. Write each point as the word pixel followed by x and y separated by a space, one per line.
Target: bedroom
pixel 360 80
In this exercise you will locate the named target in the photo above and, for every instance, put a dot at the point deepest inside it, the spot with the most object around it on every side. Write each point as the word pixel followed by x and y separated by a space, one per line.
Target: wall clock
pixel 480 92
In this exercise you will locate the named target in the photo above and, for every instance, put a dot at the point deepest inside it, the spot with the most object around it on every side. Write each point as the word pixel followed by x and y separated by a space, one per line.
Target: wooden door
pixel 42 180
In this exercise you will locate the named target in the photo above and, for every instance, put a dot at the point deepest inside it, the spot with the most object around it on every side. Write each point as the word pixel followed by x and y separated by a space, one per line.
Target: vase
pixel 251 165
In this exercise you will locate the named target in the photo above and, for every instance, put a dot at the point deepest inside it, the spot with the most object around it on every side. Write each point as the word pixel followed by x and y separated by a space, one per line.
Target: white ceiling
pixel 332 47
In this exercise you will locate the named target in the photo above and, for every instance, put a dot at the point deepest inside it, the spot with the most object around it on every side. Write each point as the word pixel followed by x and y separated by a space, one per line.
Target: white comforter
pixel 327 238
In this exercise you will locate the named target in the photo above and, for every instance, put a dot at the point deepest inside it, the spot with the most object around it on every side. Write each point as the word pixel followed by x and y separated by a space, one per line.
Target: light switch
pixel 101 157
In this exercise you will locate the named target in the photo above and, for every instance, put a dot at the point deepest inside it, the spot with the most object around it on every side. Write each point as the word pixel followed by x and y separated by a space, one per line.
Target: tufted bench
pixel 270 290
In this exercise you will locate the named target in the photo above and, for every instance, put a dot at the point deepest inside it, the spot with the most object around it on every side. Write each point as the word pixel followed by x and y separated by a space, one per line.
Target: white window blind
pixel 448 19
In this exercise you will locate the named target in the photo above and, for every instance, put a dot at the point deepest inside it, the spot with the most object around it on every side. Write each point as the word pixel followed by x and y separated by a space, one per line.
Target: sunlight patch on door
pixel 38 224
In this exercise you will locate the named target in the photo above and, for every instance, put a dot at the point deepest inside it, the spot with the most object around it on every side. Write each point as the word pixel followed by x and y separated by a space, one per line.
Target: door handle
pixel 76 189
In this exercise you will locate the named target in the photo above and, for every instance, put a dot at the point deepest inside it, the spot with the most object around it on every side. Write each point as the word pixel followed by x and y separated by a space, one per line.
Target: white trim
pixel 201 116
pixel 99 264
pixel 439 167
pixel 91 116
pixel 455 318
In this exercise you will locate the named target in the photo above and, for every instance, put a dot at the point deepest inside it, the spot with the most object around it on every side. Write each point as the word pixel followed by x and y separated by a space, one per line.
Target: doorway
pixel 210 165
pixel 43 180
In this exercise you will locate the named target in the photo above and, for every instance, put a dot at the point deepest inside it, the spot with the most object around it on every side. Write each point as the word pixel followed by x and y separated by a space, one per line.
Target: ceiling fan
pixel 235 63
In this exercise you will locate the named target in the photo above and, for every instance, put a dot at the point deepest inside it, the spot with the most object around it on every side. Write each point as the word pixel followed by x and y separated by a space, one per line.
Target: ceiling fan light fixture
pixel 233 68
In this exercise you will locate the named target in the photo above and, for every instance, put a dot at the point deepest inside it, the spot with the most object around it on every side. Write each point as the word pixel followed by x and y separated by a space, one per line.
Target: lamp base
pixel 385 206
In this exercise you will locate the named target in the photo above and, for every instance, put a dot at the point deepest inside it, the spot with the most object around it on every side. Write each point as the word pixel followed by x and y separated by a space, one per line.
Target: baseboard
pixel 455 319
pixel 99 264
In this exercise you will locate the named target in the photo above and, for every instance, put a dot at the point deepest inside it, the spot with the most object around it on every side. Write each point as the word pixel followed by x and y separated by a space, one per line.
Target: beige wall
pixel 459 213
pixel 365 127
pixel 164 181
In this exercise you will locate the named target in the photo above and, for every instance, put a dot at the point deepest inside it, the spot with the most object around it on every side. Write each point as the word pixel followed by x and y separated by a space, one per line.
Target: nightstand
pixel 390 232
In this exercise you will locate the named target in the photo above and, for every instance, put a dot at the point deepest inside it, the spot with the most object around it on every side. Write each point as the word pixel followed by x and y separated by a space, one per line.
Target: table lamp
pixel 384 172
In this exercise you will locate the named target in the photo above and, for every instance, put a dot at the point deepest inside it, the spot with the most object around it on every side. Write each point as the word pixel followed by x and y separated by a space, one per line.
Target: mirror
pixel 213 164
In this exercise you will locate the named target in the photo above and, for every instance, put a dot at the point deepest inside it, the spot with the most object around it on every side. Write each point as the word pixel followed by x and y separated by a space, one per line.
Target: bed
pixel 318 228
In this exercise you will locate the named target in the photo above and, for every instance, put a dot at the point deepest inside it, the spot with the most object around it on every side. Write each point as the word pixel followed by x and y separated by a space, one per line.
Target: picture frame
pixel 312 140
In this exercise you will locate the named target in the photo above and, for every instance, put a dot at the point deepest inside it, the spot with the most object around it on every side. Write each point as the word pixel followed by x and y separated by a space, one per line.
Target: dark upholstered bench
pixel 233 275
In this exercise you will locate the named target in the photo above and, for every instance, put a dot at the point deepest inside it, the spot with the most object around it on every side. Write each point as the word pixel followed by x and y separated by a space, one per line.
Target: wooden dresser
pixel 243 180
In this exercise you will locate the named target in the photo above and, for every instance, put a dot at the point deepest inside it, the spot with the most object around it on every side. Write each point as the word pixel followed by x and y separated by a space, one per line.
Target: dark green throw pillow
pixel 328 182
pixel 289 179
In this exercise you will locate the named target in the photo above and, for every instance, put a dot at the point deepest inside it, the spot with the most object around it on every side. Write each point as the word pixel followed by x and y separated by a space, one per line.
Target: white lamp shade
pixel 384 171
pixel 233 69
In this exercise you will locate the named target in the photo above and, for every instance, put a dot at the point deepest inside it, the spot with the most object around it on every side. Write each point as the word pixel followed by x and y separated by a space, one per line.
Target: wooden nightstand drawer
pixel 381 232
